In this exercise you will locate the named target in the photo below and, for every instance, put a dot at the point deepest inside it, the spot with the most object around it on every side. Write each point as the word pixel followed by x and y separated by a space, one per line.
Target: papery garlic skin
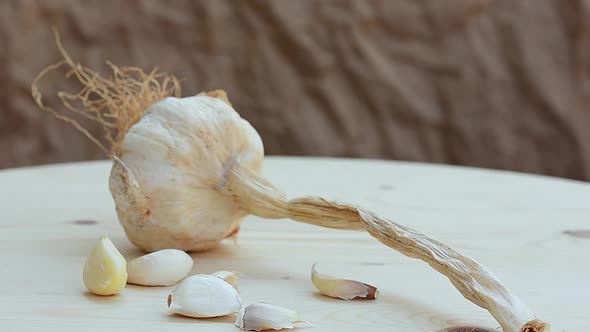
pixel 204 296
pixel 265 316
pixel 105 270
pixel 169 180
pixel 159 268
pixel 228 276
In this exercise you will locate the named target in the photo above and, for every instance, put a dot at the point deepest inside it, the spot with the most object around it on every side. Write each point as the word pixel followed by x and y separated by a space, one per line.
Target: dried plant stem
pixel 472 280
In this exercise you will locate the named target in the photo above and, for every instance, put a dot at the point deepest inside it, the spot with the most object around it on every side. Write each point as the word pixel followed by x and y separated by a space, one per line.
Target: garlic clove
pixel 265 316
pixel 105 270
pixel 204 296
pixel 160 268
pixel 227 276
pixel 342 288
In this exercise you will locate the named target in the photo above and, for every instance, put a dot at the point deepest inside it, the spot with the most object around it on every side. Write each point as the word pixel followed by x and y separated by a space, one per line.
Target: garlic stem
pixel 473 281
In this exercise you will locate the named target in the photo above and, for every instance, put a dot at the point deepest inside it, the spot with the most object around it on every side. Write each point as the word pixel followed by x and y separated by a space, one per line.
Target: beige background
pixel 501 84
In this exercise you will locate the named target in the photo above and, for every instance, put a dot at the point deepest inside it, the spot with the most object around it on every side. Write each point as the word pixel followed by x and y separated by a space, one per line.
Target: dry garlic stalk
pixel 204 296
pixel 105 269
pixel 342 288
pixel 160 268
pixel 189 170
pixel 227 276
pixel 264 316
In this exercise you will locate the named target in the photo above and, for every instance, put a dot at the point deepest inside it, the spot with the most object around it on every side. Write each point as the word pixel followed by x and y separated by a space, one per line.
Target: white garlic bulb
pixel 168 181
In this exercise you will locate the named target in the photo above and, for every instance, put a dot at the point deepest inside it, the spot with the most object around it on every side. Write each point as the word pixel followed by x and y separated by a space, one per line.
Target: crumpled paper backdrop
pixel 500 84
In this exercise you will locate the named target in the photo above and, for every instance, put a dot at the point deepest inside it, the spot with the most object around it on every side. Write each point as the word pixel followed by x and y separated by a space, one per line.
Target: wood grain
pixel 516 225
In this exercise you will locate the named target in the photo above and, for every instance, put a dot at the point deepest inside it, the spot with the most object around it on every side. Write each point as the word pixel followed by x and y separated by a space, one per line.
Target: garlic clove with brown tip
pixel 344 289
pixel 265 316
pixel 159 268
pixel 204 296
pixel 228 276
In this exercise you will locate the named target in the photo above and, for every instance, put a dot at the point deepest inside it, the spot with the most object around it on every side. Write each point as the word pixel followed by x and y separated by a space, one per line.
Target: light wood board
pixel 532 232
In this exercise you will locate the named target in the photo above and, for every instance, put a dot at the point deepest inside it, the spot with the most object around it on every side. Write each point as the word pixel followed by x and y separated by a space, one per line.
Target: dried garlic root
pixel 228 276
pixel 105 270
pixel 204 296
pixel 264 316
pixel 344 289
pixel 160 268
pixel 155 140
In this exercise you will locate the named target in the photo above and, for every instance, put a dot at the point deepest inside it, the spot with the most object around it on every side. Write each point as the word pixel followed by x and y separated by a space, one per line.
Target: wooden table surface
pixel 532 232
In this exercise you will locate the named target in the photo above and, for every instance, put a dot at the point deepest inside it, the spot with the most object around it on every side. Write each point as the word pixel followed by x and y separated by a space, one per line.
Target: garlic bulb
pixel 169 181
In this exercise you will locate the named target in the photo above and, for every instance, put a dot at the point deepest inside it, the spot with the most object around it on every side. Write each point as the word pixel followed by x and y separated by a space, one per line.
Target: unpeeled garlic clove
pixel 264 316
pixel 342 288
pixel 159 268
pixel 105 270
pixel 204 296
pixel 227 276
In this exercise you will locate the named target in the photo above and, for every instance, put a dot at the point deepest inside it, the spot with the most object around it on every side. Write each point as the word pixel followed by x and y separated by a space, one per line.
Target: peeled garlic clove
pixel 227 276
pixel 204 296
pixel 105 270
pixel 264 316
pixel 160 268
pixel 342 288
